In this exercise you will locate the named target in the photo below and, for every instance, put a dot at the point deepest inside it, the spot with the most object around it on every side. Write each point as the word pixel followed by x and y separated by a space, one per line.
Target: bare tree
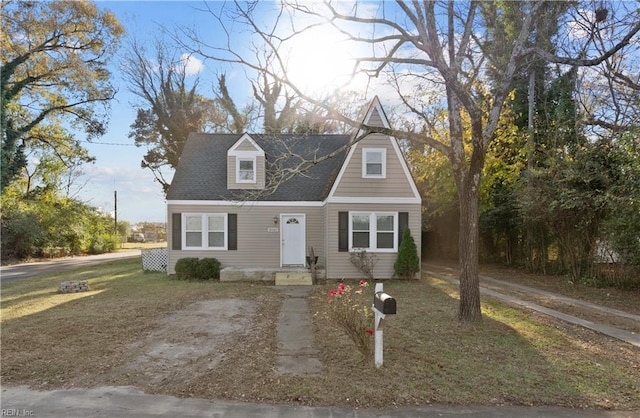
pixel 238 121
pixel 172 106
pixel 428 45
pixel 609 93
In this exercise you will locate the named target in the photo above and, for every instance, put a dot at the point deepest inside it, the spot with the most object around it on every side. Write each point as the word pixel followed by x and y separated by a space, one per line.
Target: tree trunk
pixel 469 245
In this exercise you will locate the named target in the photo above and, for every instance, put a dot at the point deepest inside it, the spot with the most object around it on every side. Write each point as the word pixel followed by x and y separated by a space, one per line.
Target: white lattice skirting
pixel 154 259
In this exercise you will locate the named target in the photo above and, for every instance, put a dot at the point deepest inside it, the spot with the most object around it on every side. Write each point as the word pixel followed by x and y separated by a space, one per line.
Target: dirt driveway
pixel 187 343
pixel 191 340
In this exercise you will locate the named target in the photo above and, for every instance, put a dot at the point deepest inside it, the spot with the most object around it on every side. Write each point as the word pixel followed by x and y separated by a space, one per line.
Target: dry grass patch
pixel 513 357
pixel 58 340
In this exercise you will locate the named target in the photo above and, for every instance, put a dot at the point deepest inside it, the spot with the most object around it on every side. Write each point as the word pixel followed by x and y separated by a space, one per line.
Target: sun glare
pixel 320 60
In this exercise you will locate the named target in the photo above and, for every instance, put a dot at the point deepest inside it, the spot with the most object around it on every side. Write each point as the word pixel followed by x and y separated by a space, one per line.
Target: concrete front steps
pixel 280 276
pixel 294 279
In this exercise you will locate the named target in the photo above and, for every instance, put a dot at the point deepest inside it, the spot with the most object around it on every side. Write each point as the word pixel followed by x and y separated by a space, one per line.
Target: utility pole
pixel 115 211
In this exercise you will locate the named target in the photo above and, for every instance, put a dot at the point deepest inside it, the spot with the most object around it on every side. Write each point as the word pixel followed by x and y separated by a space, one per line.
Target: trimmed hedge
pixel 187 268
pixel 209 269
pixel 192 268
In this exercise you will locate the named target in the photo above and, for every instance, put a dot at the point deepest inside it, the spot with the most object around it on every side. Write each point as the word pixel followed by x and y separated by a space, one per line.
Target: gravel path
pixel 531 298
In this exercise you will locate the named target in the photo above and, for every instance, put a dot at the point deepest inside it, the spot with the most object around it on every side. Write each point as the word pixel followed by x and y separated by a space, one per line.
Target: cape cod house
pixel 233 198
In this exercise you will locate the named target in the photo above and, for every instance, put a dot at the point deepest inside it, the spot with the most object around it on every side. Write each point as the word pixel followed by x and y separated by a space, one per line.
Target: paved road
pixel 26 270
pixel 121 402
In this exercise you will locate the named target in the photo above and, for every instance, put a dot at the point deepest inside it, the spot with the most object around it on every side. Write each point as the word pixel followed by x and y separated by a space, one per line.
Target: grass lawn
pixel 513 357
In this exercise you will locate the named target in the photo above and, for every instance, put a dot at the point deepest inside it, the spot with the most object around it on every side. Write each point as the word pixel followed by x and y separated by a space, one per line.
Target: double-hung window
pixel 374 163
pixel 205 231
pixel 373 231
pixel 246 170
pixel 360 230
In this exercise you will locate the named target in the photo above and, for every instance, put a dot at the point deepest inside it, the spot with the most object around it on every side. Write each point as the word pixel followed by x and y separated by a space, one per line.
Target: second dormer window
pixel 246 170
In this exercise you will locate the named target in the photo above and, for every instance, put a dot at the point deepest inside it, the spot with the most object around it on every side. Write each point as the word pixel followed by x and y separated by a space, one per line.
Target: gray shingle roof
pixel 202 171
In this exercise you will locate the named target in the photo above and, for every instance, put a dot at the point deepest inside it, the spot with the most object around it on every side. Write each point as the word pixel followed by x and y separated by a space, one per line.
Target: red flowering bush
pixel 348 307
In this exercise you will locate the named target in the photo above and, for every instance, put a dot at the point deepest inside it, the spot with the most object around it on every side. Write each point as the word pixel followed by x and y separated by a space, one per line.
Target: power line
pixel 109 143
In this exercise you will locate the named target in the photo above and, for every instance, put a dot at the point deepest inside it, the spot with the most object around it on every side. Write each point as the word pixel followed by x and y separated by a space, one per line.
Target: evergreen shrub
pixel 407 264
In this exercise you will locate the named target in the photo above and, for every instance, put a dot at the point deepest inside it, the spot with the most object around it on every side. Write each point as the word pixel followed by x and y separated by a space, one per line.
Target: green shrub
pixel 407 264
pixel 209 269
pixel 191 268
pixel 187 268
pixel 103 243
pixel 21 235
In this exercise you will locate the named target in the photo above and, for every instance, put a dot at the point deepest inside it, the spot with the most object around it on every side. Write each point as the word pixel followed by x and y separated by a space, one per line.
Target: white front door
pixel 293 240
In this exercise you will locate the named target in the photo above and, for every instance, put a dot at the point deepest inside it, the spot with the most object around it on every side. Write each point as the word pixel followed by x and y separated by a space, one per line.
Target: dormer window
pixel 374 163
pixel 246 170
pixel 245 165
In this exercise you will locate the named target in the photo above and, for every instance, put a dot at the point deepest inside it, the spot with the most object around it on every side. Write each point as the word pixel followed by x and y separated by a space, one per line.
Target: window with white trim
pixel 204 231
pixel 245 170
pixel 374 163
pixel 373 231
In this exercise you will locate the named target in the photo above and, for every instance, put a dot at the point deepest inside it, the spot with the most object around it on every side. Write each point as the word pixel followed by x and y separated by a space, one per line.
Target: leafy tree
pixel 53 72
pixel 621 228
pixel 44 223
pixel 552 218
pixel 500 219
pixel 21 233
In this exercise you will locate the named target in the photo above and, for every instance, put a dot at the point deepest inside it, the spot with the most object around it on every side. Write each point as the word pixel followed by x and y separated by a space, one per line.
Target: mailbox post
pixel 383 305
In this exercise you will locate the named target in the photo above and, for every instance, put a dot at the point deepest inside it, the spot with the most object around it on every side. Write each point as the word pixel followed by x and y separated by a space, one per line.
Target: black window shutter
pixel 176 231
pixel 403 222
pixel 343 231
pixel 232 230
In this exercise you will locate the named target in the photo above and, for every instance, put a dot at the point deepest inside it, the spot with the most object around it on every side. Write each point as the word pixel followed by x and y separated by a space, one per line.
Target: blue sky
pixel 117 165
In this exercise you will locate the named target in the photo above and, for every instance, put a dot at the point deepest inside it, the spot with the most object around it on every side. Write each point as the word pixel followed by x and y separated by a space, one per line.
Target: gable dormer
pixel 374 167
pixel 245 165
pixel 375 115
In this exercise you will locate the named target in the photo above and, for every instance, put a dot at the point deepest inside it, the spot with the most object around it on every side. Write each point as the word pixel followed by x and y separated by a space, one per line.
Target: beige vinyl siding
pixel 375 119
pixel 257 247
pixel 246 146
pixel 394 185
pixel 325 230
pixel 231 174
pixel 338 264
